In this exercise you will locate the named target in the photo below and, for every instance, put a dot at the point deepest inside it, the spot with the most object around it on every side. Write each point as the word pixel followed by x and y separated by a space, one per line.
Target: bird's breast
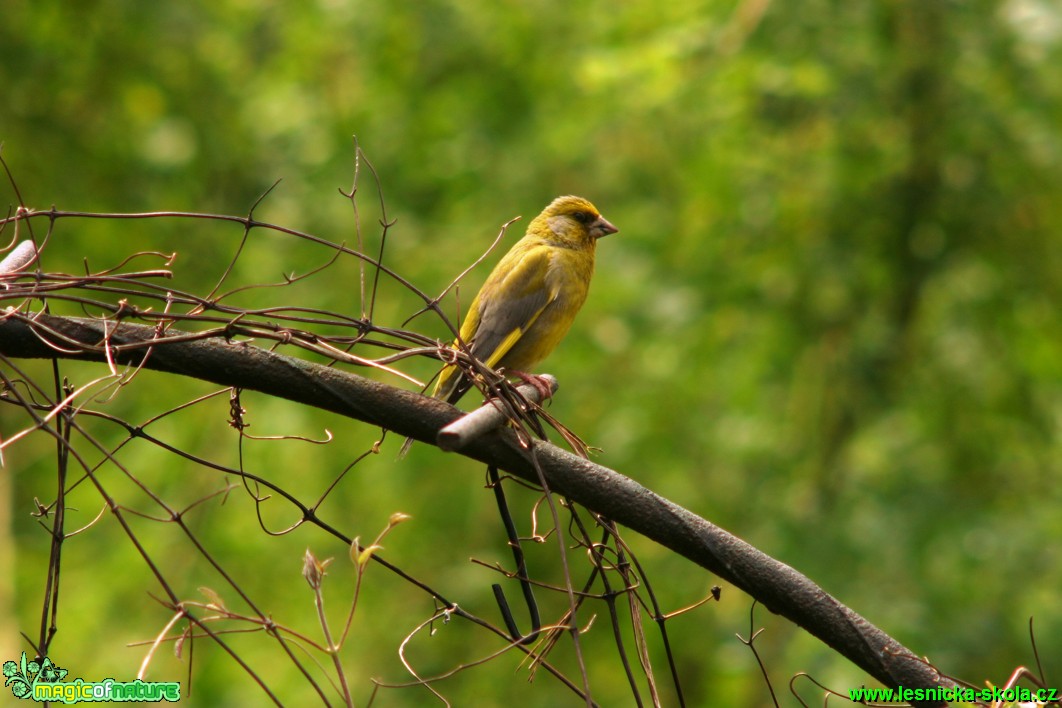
pixel 568 282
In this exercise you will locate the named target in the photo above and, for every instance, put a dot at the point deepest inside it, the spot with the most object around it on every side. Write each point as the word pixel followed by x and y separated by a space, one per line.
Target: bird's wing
pixel 510 307
pixel 503 311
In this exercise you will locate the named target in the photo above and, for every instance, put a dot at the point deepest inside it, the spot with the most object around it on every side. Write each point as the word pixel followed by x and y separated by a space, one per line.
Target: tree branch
pixel 777 586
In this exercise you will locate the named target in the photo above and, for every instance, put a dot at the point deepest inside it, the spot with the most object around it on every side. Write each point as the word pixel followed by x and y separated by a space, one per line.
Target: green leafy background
pixel 830 323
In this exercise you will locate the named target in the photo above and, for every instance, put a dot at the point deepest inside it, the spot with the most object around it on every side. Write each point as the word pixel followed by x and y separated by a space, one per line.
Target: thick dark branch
pixel 777 586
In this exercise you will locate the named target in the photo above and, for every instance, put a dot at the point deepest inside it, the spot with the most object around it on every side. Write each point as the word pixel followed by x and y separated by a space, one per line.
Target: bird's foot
pixel 543 384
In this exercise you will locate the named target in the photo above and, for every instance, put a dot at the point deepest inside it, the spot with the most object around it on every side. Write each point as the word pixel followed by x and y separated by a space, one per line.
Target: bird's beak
pixel 602 227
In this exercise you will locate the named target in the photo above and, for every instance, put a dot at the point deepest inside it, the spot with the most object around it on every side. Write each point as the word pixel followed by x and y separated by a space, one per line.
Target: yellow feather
pixel 530 299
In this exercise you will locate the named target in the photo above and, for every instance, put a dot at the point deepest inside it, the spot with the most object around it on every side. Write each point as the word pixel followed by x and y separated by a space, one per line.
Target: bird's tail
pixel 451 385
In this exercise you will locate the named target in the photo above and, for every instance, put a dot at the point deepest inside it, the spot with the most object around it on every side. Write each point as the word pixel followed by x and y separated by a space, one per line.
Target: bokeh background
pixel 831 322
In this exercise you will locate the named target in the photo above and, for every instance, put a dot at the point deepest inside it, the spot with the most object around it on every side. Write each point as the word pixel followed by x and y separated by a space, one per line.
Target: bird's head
pixel 574 221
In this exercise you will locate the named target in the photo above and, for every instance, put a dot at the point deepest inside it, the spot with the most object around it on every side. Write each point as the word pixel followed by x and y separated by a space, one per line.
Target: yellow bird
pixel 530 299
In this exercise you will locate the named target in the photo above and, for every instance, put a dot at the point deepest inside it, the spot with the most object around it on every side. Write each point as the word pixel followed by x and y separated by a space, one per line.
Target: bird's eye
pixel 583 217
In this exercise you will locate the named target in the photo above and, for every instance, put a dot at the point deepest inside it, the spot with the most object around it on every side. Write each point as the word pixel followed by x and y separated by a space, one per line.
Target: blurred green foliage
pixel 831 322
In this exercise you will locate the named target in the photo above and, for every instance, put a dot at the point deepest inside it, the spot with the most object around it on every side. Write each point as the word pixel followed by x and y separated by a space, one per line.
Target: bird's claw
pixel 542 384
